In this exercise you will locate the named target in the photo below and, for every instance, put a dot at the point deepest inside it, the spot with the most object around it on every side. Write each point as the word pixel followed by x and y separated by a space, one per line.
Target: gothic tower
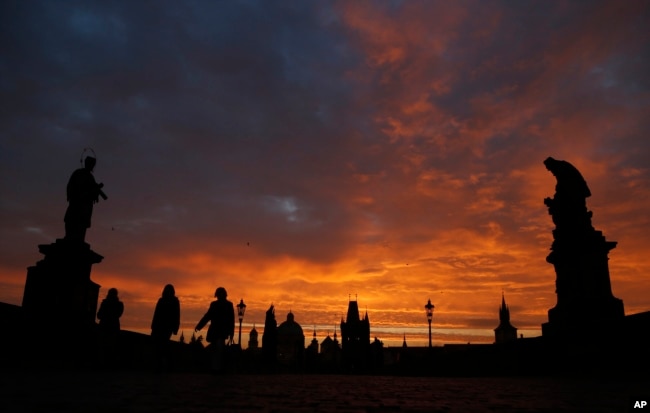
pixel 505 331
pixel 355 339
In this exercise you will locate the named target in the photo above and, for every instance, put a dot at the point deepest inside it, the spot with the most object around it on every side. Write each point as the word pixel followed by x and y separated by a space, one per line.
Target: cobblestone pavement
pixel 148 392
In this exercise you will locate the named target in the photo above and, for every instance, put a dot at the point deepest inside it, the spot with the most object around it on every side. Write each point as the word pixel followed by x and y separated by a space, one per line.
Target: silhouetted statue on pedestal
pixel 58 287
pixel 82 193
pixel 579 255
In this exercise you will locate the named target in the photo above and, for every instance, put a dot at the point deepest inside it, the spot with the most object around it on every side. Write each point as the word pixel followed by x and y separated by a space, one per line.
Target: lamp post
pixel 429 308
pixel 241 309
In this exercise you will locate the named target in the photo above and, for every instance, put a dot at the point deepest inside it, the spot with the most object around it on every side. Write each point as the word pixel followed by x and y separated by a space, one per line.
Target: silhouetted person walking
pixel 221 316
pixel 166 321
pixel 82 193
pixel 109 314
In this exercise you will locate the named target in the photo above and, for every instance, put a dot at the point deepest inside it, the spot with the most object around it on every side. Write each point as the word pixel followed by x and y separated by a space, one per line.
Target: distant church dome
pixel 290 327
pixel 291 342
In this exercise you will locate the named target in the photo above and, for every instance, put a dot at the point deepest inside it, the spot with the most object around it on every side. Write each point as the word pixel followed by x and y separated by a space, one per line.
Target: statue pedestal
pixel 58 291
pixel 583 287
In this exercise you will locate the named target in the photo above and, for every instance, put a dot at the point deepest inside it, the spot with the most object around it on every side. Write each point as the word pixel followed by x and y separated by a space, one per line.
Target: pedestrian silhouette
pixel 109 314
pixel 166 321
pixel 221 316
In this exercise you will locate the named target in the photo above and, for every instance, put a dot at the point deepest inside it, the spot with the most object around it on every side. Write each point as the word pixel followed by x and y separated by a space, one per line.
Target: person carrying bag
pixel 221 316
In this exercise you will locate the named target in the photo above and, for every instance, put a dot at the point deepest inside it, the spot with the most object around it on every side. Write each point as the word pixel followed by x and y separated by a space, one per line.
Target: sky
pixel 308 153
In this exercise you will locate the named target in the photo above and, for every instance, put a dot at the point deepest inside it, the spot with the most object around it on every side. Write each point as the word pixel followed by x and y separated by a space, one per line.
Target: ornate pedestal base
pixel 58 290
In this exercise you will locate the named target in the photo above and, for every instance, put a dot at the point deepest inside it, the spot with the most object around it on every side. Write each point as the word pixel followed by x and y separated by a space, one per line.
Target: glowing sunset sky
pixel 296 152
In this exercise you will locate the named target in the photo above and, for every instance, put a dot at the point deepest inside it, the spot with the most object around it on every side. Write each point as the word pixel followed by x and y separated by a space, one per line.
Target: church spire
pixel 505 331
pixel 504 311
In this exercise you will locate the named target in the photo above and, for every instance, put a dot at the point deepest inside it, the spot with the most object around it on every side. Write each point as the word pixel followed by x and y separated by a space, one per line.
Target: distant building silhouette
pixel 314 342
pixel 355 339
pixel 329 344
pixel 377 353
pixel 505 331
pixel 270 337
pixel 252 338
pixel 326 344
pixel 311 353
pixel 330 352
pixel 291 342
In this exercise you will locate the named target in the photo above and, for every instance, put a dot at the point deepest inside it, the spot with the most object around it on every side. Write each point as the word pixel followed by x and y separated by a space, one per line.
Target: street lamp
pixel 241 309
pixel 429 307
